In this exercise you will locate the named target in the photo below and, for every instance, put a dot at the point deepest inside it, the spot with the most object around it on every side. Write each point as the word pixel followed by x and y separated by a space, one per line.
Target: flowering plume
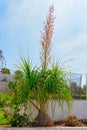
pixel 46 39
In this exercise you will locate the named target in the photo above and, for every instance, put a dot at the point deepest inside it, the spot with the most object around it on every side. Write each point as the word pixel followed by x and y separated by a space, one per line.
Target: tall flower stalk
pixel 46 39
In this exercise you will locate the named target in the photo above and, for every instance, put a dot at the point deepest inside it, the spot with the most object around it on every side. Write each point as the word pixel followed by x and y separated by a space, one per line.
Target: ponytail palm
pixel 43 85
pixel 46 83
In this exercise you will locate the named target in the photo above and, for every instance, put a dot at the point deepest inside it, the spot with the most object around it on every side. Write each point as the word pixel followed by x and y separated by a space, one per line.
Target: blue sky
pixel 22 20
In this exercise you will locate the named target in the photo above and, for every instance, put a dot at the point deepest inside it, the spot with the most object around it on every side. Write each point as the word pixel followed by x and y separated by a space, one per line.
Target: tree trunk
pixel 42 118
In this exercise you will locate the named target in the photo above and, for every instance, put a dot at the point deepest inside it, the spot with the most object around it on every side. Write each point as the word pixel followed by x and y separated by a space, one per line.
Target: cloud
pixel 26 11
pixel 75 43
pixel 71 18
pixel 76 49
pixel 70 15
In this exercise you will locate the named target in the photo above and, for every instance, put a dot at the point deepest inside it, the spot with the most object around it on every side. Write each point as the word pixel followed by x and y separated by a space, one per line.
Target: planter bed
pixel 46 128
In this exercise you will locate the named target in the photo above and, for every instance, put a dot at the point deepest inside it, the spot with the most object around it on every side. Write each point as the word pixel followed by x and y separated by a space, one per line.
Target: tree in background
pixel 2 60
pixel 75 90
pixel 84 89
pixel 5 71
pixel 83 92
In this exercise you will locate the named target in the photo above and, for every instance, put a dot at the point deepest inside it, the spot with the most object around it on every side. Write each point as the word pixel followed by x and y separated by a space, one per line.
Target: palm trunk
pixel 42 118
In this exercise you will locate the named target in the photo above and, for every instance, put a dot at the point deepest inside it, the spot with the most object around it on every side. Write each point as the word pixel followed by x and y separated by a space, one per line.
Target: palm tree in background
pixel 2 60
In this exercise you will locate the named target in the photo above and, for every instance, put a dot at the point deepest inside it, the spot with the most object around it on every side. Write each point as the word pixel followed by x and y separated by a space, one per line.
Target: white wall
pixel 4 84
pixel 9 77
pixel 79 109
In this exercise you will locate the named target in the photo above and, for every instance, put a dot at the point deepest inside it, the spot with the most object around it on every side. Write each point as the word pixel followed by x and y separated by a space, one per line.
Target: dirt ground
pixel 83 123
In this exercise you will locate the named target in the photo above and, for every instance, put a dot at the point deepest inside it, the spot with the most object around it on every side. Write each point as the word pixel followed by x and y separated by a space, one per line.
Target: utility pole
pixel 86 85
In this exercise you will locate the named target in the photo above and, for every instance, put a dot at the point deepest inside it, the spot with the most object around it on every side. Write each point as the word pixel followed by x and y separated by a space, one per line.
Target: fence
pixel 77 90
pixel 75 82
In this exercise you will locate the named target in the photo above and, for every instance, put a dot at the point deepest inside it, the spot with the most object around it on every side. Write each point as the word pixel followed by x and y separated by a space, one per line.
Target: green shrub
pixel 3 100
pixel 71 121
pixel 83 96
pixel 18 74
pixel 4 119
pixel 4 80
pixel 80 97
pixel 19 120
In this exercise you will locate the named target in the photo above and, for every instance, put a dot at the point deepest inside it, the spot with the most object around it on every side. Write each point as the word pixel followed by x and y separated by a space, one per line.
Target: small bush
pixel 83 96
pixel 18 74
pixel 80 97
pixel 71 121
pixel 19 120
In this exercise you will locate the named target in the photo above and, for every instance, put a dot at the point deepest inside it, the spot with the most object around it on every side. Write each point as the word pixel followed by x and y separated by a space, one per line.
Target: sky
pixel 21 24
